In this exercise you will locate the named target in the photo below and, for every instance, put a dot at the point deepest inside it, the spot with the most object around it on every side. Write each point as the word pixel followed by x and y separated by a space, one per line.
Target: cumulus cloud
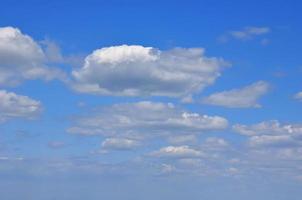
pixel 119 144
pixel 145 71
pixel 245 97
pixel 177 152
pixel 21 58
pixel 298 96
pixel 17 106
pixel 145 119
pixel 246 33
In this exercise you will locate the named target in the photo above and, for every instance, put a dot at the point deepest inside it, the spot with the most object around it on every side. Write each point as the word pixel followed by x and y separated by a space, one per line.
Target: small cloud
pixel 119 144
pixel 17 106
pixel 245 97
pixel 246 33
pixel 177 152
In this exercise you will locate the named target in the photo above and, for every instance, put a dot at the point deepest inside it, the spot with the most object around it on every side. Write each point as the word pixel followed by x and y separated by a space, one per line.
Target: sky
pixel 144 100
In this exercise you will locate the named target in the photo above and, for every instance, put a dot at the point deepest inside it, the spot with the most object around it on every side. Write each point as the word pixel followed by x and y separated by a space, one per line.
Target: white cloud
pixel 145 119
pixel 272 140
pixel 298 96
pixel 268 128
pixel 271 134
pixel 245 97
pixel 177 152
pixel 145 71
pixel 119 144
pixel 21 58
pixel 246 33
pixel 17 106
pixel 249 32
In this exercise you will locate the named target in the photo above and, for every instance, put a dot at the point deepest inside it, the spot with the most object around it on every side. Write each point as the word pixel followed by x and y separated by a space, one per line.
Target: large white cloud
pixel 136 70
pixel 245 97
pixel 145 119
pixel 17 106
pixel 21 58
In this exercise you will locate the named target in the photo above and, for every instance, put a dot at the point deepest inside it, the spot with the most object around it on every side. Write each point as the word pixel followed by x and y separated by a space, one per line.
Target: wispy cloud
pixel 245 97
pixel 144 120
pixel 246 33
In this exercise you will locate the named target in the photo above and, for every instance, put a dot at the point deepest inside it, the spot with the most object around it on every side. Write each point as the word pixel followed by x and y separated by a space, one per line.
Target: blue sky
pixel 150 100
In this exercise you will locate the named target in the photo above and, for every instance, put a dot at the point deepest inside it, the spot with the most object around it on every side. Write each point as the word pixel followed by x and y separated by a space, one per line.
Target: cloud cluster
pixel 133 70
pixel 145 71
pixel 21 58
pixel 245 97
pixel 17 106
pixel 271 134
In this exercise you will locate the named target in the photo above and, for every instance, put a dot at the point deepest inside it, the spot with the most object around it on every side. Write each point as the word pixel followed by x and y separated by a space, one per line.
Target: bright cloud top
pixel 21 58
pixel 17 106
pixel 145 71
pixel 245 97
